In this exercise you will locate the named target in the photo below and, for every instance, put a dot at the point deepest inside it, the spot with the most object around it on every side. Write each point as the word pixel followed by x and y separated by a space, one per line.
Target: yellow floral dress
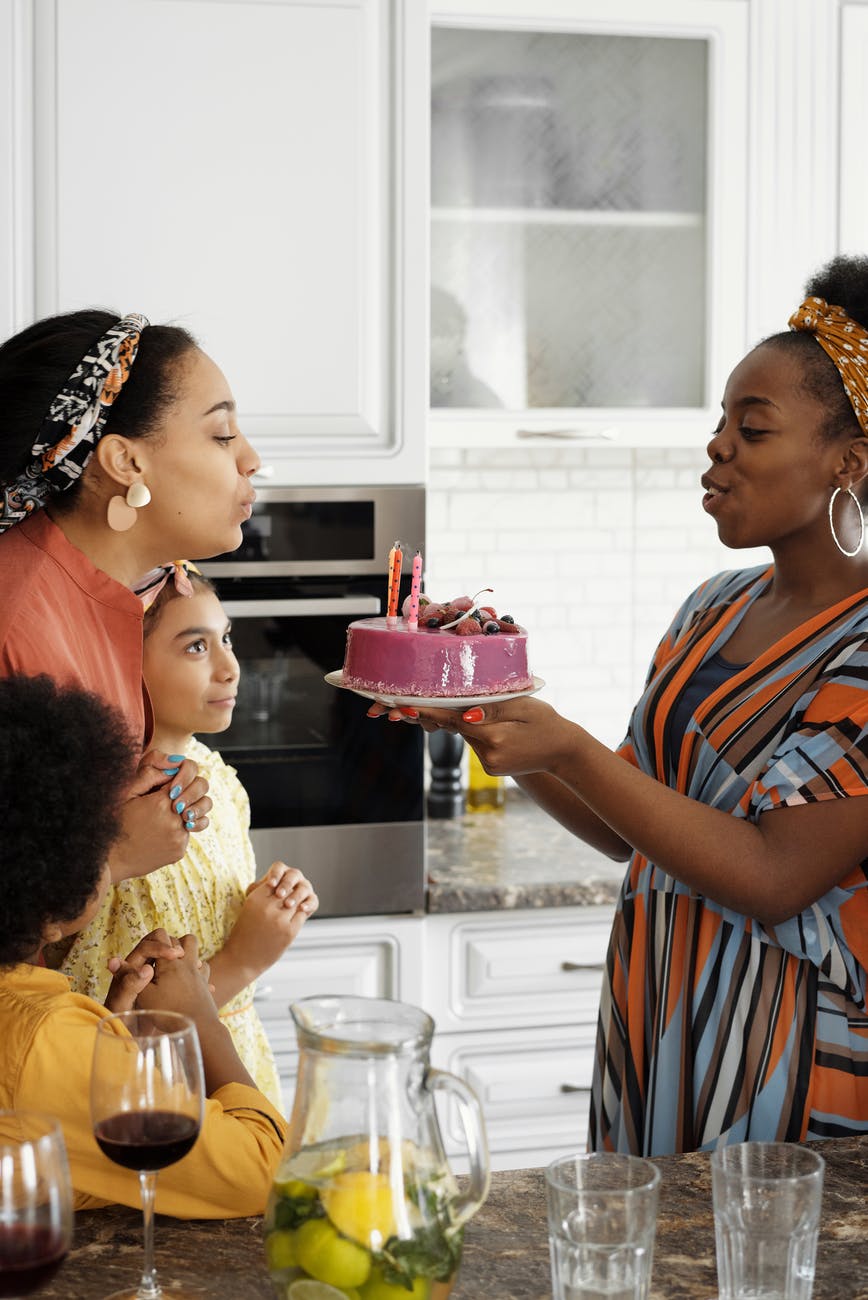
pixel 201 895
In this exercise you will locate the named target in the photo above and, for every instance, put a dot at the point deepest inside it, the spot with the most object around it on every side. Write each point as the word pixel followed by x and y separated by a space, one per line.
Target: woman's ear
pixel 119 459
pixel 856 461
pixel 52 932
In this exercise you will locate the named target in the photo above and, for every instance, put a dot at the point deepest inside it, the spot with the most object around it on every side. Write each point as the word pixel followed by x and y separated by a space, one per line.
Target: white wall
pixel 591 549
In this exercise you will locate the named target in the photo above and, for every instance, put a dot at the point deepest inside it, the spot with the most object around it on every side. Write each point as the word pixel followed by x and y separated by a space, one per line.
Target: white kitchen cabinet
pixel 853 230
pixel 243 169
pixel 374 957
pixel 515 997
pixel 588 218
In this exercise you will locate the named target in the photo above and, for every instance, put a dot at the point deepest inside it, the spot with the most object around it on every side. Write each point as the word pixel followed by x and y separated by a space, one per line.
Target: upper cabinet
pixel 853 225
pixel 587 216
pixel 242 168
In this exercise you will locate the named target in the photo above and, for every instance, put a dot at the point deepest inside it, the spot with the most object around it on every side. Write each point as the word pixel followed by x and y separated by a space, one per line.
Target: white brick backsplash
pixel 592 549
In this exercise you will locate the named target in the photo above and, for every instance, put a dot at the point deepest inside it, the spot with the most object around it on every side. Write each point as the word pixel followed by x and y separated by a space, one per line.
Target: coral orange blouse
pixel 62 616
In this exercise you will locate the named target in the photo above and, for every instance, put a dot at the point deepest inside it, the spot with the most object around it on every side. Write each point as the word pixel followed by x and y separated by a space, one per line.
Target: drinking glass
pixel 602 1212
pixel 146 1100
pixel 35 1201
pixel 766 1218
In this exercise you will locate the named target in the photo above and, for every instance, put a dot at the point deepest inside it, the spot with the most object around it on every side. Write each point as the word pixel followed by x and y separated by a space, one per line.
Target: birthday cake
pixel 457 649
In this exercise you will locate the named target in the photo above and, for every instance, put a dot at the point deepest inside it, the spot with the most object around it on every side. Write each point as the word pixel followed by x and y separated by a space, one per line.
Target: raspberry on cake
pixel 458 649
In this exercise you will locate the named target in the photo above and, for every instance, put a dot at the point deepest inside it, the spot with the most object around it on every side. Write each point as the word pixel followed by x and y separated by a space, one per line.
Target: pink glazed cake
pixel 431 661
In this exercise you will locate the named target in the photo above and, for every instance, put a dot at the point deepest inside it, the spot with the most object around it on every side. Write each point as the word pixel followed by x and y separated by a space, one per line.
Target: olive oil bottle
pixel 484 793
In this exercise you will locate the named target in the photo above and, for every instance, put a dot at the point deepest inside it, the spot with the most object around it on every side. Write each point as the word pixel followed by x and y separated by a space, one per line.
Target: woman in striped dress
pixel 733 1004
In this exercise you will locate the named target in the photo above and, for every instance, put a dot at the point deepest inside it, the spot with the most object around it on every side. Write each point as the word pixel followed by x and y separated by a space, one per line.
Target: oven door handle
pixel 304 607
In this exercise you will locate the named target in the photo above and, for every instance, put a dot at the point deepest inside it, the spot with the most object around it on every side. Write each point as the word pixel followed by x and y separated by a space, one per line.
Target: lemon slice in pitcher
pixel 307 1289
pixel 359 1204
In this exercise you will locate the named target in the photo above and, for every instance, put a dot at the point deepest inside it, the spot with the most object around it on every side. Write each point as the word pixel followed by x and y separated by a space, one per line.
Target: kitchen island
pixel 506 1252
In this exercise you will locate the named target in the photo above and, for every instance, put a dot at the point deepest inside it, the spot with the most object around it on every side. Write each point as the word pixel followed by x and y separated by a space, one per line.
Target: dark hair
pixel 170 592
pixel 66 760
pixel 36 363
pixel 843 282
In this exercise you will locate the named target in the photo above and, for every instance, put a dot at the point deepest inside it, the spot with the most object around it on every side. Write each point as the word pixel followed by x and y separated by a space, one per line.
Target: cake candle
pixel 415 585
pixel 395 562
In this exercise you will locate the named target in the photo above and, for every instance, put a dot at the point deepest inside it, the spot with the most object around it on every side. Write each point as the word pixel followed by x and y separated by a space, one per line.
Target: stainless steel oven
pixel 332 792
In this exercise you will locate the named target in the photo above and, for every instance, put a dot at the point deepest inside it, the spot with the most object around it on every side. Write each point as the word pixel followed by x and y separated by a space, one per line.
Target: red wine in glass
pixel 146 1100
pixel 146 1140
pixel 29 1257
pixel 35 1201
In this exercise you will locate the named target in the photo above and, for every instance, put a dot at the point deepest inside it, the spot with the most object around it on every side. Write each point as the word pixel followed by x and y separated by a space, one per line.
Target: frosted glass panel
pixel 568 237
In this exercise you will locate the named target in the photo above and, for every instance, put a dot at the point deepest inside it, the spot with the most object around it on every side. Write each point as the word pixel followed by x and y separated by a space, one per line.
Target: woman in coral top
pixel 119 451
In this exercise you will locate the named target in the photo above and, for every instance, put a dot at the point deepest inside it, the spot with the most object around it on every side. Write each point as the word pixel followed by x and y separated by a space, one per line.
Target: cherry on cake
pixel 457 649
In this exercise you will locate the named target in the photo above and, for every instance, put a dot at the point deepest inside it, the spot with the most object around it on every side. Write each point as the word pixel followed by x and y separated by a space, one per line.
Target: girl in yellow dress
pixel 243 925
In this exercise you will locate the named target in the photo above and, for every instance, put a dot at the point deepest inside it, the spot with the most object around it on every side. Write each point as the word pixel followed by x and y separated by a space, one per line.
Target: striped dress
pixel 714 1028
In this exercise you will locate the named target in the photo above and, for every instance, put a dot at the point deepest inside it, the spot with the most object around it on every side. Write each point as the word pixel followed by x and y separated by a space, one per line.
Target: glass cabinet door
pixel 571 247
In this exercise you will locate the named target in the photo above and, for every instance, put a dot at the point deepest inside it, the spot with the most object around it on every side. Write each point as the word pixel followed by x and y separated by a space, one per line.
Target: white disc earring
pixel 121 512
pixel 855 501
pixel 138 495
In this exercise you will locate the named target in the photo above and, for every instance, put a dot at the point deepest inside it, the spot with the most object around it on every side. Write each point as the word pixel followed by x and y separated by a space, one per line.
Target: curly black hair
pixel 66 761
pixel 843 282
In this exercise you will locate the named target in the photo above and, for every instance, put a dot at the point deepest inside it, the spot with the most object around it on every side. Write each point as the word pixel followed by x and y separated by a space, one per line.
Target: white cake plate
pixel 436 702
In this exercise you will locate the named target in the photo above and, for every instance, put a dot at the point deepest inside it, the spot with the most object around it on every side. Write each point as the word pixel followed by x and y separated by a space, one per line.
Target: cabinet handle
pixel 589 434
pixel 573 1087
pixel 263 992
pixel 581 965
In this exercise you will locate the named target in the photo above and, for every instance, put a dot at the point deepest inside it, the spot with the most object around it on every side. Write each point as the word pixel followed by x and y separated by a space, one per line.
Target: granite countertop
pixel 505 1253
pixel 512 858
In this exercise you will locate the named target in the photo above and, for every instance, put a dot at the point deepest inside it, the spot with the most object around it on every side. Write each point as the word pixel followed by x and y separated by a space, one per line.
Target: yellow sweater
pixel 47 1035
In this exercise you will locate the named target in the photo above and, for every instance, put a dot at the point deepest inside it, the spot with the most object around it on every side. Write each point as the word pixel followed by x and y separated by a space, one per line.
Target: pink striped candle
pixel 415 585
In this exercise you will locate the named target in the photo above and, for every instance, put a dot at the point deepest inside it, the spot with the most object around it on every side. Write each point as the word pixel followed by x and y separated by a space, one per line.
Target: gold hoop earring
pixel 855 501
pixel 122 510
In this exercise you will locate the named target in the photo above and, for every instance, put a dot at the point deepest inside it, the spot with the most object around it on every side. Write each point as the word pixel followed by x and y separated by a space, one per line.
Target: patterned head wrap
pixel 74 423
pixel 152 583
pixel 846 342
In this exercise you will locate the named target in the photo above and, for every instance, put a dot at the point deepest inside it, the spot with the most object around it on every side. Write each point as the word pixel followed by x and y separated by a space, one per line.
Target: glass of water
pixel 766 1218
pixel 602 1215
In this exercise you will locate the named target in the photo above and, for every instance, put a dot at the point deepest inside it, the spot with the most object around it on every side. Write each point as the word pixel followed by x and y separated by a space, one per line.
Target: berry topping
pixel 478 615
pixel 507 625
pixel 490 626
pixel 467 627
pixel 507 618
pixel 488 611
pixel 405 608
pixel 461 603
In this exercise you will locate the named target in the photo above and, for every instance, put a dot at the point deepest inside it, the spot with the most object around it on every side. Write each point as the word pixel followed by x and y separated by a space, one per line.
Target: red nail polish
pixel 409 712
pixel 473 715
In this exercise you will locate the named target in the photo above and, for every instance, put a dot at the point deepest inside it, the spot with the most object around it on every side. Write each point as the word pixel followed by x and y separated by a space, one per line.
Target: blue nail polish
pixel 189 825
pixel 180 806
pixel 176 758
pixel 171 771
pixel 174 792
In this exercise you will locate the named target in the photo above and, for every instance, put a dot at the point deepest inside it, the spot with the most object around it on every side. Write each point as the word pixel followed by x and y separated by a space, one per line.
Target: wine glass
pixel 35 1201
pixel 146 1100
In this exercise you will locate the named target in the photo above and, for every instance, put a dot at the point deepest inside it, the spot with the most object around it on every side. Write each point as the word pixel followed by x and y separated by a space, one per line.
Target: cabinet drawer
pixel 364 968
pixel 534 1087
pixel 527 967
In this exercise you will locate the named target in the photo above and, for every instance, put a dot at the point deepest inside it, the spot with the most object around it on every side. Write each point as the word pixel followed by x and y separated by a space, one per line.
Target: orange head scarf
pixel 846 342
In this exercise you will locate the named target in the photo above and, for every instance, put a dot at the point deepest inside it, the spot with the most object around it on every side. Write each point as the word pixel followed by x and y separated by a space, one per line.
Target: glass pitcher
pixel 364 1204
